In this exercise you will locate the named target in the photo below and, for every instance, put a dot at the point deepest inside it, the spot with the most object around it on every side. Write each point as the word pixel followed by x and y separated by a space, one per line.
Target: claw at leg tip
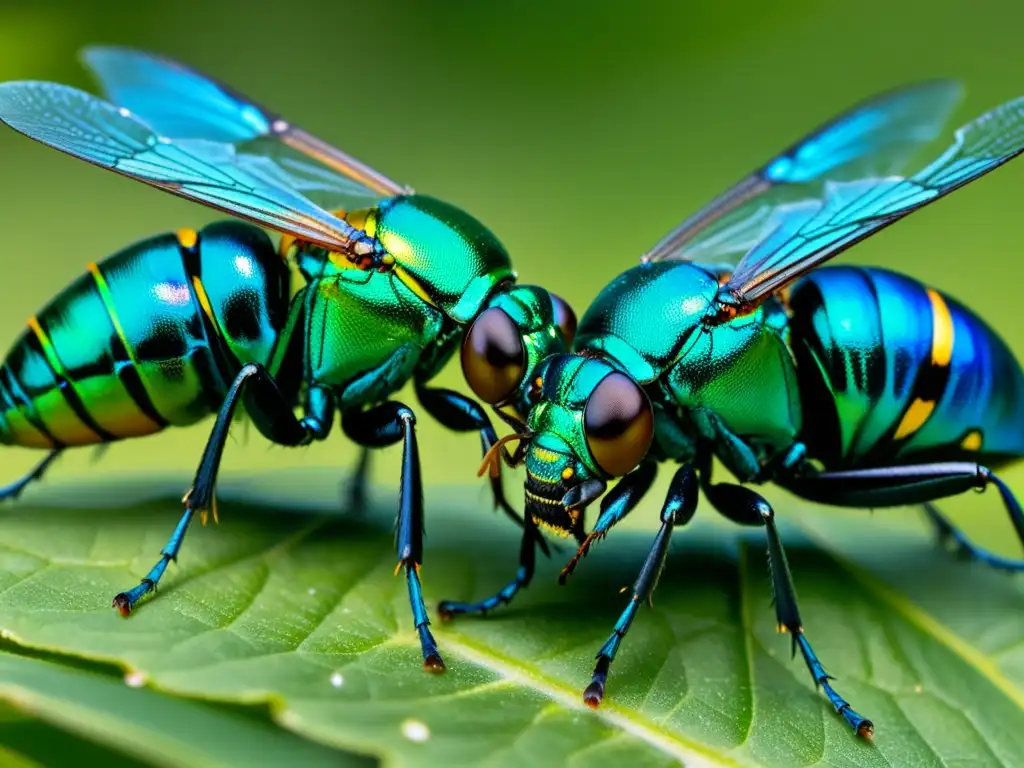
pixel 593 695
pixel 122 604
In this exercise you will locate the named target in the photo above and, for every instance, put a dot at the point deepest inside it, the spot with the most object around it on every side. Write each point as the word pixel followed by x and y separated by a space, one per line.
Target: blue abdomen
pixel 892 371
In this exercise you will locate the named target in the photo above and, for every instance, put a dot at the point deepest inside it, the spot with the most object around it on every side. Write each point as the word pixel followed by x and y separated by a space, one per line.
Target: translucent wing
pixel 875 138
pixel 803 235
pixel 180 103
pixel 210 172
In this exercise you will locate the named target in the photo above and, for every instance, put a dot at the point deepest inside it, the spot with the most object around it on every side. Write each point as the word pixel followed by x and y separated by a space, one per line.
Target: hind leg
pixel 952 537
pixel 921 484
pixel 353 493
pixel 13 490
pixel 273 414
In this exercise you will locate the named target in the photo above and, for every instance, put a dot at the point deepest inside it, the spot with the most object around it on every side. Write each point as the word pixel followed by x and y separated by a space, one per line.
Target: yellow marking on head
pixel 545 455
pixel 413 285
pixel 972 441
pixel 915 417
pixel 942 330
pixel 387 260
pixel 187 238
pixel 567 473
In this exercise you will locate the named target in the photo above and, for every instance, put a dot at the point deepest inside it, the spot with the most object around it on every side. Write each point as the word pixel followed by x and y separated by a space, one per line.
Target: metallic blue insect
pixel 371 287
pixel 849 386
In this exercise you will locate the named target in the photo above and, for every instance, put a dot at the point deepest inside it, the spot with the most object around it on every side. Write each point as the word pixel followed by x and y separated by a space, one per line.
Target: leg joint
pixel 314 428
pixel 984 476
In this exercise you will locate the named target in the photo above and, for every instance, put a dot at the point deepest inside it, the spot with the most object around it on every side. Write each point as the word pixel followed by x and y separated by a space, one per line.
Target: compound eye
pixel 493 359
pixel 565 318
pixel 619 424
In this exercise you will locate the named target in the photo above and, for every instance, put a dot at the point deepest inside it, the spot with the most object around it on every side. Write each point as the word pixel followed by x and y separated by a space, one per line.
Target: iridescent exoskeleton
pixel 848 386
pixel 388 285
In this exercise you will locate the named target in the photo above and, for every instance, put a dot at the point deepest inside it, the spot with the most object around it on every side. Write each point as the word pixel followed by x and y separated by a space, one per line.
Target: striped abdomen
pixel 150 337
pixel 891 371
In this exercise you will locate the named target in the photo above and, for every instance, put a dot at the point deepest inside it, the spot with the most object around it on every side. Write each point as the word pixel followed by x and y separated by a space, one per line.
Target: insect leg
pixel 527 560
pixel 272 413
pixel 950 534
pixel 915 484
pixel 746 507
pixel 680 505
pixel 13 490
pixel 386 424
pixel 461 414
pixel 617 503
pixel 355 489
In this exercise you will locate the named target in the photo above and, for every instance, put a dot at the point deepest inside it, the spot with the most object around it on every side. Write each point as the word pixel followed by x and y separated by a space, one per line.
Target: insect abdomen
pixel 148 338
pixel 892 371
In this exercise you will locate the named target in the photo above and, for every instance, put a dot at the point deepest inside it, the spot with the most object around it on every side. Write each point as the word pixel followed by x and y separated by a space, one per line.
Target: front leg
pixel 680 505
pixel 527 561
pixel 619 502
pixel 386 424
pixel 462 414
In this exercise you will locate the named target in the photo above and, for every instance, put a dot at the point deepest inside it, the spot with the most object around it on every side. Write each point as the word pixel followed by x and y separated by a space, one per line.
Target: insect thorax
pixel 651 322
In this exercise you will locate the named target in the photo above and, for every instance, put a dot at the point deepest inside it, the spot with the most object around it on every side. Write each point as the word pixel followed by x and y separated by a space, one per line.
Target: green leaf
pixel 302 610
pixel 27 741
pixel 100 721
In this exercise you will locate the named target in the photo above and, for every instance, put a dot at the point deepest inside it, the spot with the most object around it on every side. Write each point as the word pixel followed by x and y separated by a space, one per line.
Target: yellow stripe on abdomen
pixel 942 330
pixel 54 406
pixel 921 409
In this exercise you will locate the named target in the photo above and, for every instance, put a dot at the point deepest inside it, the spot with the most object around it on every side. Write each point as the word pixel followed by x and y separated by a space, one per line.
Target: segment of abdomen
pixel 892 371
pixel 146 339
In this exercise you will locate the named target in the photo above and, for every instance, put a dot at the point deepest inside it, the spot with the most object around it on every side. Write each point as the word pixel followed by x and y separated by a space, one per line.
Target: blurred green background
pixel 580 132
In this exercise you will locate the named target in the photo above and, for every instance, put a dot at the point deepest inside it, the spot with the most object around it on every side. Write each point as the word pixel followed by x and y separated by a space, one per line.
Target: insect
pixel 390 284
pixel 849 386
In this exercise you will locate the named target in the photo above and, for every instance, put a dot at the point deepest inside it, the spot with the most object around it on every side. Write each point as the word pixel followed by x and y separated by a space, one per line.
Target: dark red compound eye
pixel 619 424
pixel 493 358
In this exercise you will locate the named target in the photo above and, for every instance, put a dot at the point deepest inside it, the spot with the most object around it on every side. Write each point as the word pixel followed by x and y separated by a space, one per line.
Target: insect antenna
pixel 498 451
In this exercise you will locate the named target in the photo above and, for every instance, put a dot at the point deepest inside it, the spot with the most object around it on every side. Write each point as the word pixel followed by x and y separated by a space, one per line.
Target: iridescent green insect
pixel 849 386
pixel 180 326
